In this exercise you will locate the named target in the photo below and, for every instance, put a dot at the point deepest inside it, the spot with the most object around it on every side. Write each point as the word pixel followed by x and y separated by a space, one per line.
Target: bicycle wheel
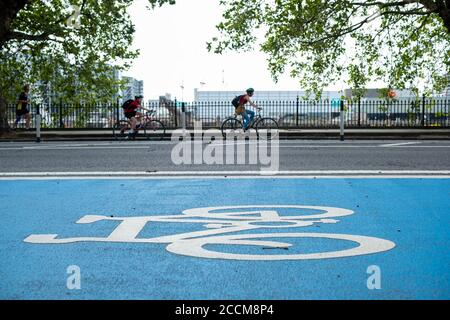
pixel 121 130
pixel 154 129
pixel 196 247
pixel 231 127
pixel 267 128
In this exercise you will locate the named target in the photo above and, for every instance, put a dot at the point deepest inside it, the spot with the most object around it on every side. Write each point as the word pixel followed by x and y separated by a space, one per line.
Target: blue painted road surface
pixel 340 238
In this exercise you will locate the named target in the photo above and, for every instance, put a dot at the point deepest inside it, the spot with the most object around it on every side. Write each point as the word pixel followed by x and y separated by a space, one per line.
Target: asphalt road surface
pixel 157 156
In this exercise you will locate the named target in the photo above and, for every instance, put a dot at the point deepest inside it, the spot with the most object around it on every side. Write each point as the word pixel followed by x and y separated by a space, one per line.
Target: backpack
pixel 235 101
pixel 126 104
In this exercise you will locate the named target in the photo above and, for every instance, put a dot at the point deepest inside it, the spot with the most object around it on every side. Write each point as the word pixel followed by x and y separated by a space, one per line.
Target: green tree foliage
pixel 72 44
pixel 403 43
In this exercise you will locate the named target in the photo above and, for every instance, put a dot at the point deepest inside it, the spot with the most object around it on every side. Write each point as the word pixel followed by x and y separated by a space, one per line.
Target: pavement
pixel 319 134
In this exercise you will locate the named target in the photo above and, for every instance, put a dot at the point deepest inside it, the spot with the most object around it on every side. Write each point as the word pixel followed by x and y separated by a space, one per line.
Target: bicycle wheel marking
pixel 194 247
pixel 220 226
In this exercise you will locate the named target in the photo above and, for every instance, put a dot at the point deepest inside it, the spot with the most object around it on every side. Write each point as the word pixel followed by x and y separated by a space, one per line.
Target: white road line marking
pixel 399 144
pixel 230 177
pixel 404 146
pixel 377 146
pixel 227 173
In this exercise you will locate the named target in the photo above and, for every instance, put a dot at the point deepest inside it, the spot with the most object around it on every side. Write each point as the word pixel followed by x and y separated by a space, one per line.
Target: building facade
pixel 222 96
pixel 133 87
pixel 446 92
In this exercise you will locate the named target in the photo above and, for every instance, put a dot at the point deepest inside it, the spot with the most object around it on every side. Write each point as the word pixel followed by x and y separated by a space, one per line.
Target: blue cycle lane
pixel 228 238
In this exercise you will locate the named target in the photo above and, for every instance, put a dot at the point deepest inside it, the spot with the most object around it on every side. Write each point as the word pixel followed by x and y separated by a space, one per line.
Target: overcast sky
pixel 172 40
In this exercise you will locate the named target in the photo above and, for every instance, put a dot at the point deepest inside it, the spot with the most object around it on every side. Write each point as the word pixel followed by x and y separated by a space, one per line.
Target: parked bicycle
pixel 149 128
pixel 266 127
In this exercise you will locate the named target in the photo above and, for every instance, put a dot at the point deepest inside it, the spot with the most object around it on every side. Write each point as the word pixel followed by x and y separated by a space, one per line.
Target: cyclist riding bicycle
pixel 130 112
pixel 239 103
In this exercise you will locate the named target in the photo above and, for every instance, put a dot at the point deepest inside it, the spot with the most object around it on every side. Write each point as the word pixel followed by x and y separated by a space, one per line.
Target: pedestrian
pixel 22 109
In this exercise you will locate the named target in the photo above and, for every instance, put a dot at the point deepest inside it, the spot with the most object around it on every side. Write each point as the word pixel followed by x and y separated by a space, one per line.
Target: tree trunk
pixel 444 13
pixel 8 12
pixel 4 126
pixel 442 8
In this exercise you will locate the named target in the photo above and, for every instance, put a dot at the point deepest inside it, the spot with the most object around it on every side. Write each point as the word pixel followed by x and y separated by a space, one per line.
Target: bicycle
pixel 266 127
pixel 222 227
pixel 151 127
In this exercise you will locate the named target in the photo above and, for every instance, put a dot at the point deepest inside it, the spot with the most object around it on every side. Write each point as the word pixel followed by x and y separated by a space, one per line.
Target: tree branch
pixel 345 31
pixel 429 4
pixel 23 36
pixel 411 12
pixel 374 16
pixel 385 5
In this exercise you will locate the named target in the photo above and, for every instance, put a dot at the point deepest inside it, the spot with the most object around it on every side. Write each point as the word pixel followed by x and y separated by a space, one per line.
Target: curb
pixel 331 134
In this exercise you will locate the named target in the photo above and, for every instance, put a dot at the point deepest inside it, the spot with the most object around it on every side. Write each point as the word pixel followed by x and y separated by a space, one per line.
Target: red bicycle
pixel 149 128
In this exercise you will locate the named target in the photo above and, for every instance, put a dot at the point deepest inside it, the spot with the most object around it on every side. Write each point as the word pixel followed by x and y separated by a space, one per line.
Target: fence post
pixel 297 112
pixel 183 117
pixel 422 120
pixel 175 112
pixel 359 111
pixel 342 121
pixel 117 110
pixel 38 124
pixel 61 124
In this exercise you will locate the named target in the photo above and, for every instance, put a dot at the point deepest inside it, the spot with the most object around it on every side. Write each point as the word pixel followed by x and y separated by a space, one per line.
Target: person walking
pixel 22 108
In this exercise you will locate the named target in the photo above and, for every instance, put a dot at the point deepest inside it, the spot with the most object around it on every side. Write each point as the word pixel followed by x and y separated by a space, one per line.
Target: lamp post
pixel 182 91
pixel 183 110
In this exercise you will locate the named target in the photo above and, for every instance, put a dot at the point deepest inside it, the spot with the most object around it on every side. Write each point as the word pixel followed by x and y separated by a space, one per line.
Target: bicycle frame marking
pixel 218 227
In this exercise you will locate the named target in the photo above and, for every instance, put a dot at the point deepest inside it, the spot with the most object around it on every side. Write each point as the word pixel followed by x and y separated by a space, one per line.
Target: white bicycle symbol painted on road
pixel 220 222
